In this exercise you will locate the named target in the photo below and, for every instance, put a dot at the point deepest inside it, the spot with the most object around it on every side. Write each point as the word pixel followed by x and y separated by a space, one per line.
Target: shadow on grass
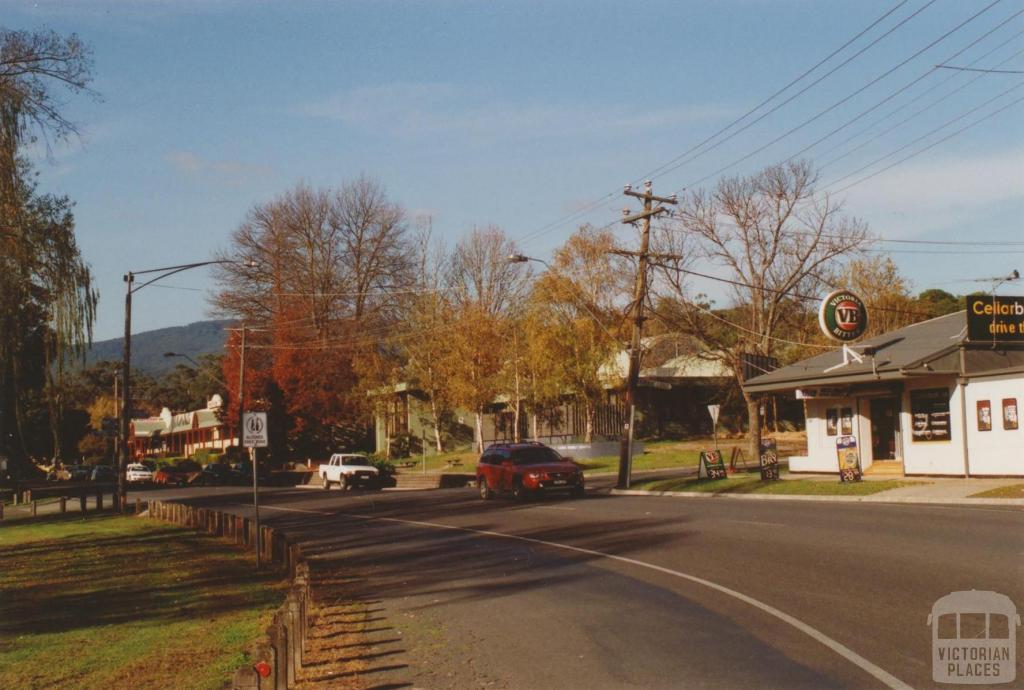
pixel 157 573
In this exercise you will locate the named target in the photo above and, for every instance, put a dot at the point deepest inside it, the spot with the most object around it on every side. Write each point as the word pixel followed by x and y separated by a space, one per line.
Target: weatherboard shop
pixel 940 397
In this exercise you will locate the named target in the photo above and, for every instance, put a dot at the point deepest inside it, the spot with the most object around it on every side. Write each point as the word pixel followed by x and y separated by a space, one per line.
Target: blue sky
pixel 516 114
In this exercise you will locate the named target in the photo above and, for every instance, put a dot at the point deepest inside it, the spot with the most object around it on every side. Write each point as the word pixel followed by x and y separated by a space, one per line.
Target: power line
pixel 667 166
pixel 931 146
pixel 845 98
pixel 986 71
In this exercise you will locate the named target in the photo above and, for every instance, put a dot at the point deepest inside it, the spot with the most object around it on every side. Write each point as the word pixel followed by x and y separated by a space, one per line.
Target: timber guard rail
pixel 277 657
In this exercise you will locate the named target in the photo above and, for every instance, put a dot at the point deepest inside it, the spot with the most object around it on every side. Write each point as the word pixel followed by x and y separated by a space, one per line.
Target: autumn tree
pixel 574 315
pixel 774 236
pixel 886 294
pixel 47 301
pixel 484 288
pixel 330 265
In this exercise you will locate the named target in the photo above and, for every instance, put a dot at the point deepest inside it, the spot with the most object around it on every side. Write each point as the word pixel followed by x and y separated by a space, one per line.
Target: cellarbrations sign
pixel 843 316
pixel 997 318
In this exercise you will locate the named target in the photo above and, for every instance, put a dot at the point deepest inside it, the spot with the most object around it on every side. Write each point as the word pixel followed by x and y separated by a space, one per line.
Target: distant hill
pixel 148 347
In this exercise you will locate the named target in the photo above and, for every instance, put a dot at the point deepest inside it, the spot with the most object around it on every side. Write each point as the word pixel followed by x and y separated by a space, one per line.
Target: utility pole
pixel 121 502
pixel 639 297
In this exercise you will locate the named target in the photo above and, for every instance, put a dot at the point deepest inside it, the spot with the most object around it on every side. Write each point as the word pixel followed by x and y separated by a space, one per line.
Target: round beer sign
pixel 843 316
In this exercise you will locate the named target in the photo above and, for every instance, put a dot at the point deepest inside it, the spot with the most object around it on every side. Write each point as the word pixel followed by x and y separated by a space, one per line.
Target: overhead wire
pixel 842 100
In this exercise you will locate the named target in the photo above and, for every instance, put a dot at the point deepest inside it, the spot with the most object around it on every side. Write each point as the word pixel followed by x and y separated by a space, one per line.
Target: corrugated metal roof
pixel 913 348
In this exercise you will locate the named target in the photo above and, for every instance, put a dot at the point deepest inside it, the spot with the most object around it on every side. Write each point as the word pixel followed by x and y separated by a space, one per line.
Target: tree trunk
pixel 437 424
pixel 516 437
pixel 533 426
pixel 589 428
pixel 479 431
pixel 754 424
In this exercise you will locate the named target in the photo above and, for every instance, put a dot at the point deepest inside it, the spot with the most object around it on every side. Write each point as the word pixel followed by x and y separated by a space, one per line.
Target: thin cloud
pixel 419 109
pixel 230 172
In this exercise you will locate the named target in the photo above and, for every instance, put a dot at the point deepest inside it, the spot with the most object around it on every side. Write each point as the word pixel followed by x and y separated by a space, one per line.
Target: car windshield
pixel 535 456
pixel 355 460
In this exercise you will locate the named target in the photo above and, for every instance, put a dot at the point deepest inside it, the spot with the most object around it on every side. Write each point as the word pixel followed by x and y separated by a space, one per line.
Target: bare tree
pixel 774 237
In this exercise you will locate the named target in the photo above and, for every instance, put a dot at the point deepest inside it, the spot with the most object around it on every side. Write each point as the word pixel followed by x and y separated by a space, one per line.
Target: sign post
pixel 713 410
pixel 254 435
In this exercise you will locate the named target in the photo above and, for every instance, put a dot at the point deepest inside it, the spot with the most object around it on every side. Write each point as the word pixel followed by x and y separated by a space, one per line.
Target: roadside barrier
pixel 277 657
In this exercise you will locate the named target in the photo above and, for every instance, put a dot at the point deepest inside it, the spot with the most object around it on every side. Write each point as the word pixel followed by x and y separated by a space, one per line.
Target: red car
pixel 525 469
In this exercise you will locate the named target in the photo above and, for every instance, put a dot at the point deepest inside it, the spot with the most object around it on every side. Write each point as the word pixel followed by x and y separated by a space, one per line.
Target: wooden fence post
pixel 63 504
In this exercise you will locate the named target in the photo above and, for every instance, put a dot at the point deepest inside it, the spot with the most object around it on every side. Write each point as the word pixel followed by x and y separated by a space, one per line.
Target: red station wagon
pixel 524 469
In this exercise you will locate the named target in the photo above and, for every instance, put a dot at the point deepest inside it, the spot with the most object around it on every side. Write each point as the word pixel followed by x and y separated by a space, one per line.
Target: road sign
pixel 713 410
pixel 254 430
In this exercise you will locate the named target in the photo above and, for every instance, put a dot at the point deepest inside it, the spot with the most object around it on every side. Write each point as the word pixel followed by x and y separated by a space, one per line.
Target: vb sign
pixel 254 429
pixel 843 316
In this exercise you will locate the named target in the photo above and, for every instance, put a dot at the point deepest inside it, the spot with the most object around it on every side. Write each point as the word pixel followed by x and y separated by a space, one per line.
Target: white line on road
pixel 842 650
pixel 756 522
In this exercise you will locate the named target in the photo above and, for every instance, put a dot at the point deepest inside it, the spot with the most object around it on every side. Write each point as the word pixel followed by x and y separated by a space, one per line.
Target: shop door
pixel 884 420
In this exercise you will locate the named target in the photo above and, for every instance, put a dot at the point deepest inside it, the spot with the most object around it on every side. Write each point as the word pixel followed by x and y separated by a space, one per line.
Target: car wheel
pixel 485 491
pixel 519 491
pixel 345 485
pixel 326 485
pixel 578 491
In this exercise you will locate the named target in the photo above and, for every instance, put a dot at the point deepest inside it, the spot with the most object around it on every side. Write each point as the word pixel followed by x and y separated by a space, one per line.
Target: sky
pixel 530 116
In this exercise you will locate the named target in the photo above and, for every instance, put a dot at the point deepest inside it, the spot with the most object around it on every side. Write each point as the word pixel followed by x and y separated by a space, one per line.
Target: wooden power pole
pixel 639 297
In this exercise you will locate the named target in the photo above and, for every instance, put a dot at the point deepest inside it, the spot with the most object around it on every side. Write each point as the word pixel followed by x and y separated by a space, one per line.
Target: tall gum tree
pixel 775 237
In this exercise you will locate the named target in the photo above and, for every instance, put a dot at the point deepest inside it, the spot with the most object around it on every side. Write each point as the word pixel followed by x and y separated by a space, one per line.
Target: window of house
pixel 929 415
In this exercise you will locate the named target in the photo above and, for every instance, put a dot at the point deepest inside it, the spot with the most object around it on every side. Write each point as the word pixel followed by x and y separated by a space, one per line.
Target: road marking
pixel 756 522
pixel 553 508
pixel 879 673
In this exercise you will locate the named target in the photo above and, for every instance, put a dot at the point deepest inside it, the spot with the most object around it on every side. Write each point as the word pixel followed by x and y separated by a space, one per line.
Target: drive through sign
pixel 254 430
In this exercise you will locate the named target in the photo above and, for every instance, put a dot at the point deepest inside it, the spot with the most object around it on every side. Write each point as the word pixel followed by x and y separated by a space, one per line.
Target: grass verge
pixel 754 485
pixel 1012 491
pixel 107 602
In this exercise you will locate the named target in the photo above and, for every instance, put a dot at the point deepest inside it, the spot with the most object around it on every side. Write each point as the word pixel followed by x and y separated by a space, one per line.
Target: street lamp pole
pixel 121 502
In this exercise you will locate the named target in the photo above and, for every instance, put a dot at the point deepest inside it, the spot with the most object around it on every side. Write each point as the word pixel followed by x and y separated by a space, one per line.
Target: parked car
pixel 78 473
pixel 138 473
pixel 525 469
pixel 241 474
pixel 103 473
pixel 170 475
pixel 348 470
pixel 215 474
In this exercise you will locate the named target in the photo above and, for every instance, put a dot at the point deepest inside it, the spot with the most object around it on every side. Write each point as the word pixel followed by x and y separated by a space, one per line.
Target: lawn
pixel 1012 491
pixel 109 602
pixel 753 485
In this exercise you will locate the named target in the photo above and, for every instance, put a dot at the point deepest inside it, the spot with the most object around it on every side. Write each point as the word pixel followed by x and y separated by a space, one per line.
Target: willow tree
pixel 47 302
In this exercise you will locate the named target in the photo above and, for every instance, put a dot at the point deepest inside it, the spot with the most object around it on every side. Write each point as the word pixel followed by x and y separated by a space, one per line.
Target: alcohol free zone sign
pixel 843 316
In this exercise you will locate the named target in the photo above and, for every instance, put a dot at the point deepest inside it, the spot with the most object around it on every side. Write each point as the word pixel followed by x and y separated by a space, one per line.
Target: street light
pixel 131 288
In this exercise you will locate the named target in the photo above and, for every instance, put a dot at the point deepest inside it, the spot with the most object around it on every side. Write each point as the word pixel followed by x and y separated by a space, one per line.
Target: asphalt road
pixel 638 592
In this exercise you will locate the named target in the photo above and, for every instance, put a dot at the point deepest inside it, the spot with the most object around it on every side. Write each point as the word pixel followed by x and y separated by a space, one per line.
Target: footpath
pixel 920 490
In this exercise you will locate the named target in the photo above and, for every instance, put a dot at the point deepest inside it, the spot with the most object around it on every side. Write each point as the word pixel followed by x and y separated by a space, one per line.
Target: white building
pixel 924 401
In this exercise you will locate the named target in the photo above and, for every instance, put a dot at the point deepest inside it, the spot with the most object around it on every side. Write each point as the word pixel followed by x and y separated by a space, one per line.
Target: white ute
pixel 348 470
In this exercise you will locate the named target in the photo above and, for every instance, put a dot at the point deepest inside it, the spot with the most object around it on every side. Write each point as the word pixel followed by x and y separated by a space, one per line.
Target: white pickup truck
pixel 348 470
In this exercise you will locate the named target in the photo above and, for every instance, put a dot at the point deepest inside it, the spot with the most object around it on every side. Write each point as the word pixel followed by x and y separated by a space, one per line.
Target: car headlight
pixel 534 475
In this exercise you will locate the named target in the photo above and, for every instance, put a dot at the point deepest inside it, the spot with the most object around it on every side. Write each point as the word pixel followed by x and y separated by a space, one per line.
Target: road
pixel 640 592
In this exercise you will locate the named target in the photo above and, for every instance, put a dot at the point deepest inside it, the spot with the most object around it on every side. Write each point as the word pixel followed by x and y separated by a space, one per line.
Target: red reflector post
pixel 262 668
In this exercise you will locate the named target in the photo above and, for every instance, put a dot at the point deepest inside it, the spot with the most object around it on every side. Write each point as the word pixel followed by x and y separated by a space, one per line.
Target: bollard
pixel 28 496
pixel 35 506
pixel 138 505
pixel 99 500
pixel 63 504
pixel 1 510
pixel 81 502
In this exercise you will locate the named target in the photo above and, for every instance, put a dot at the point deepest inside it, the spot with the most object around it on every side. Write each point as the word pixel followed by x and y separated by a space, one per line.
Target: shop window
pixel 984 415
pixel 846 421
pixel 1009 413
pixel 929 414
pixel 832 421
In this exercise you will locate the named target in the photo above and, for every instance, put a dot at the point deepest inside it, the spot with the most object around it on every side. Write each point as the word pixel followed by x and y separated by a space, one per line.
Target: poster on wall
pixel 984 415
pixel 832 421
pixel 846 421
pixel 1009 413
pixel 849 459
pixel 929 414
